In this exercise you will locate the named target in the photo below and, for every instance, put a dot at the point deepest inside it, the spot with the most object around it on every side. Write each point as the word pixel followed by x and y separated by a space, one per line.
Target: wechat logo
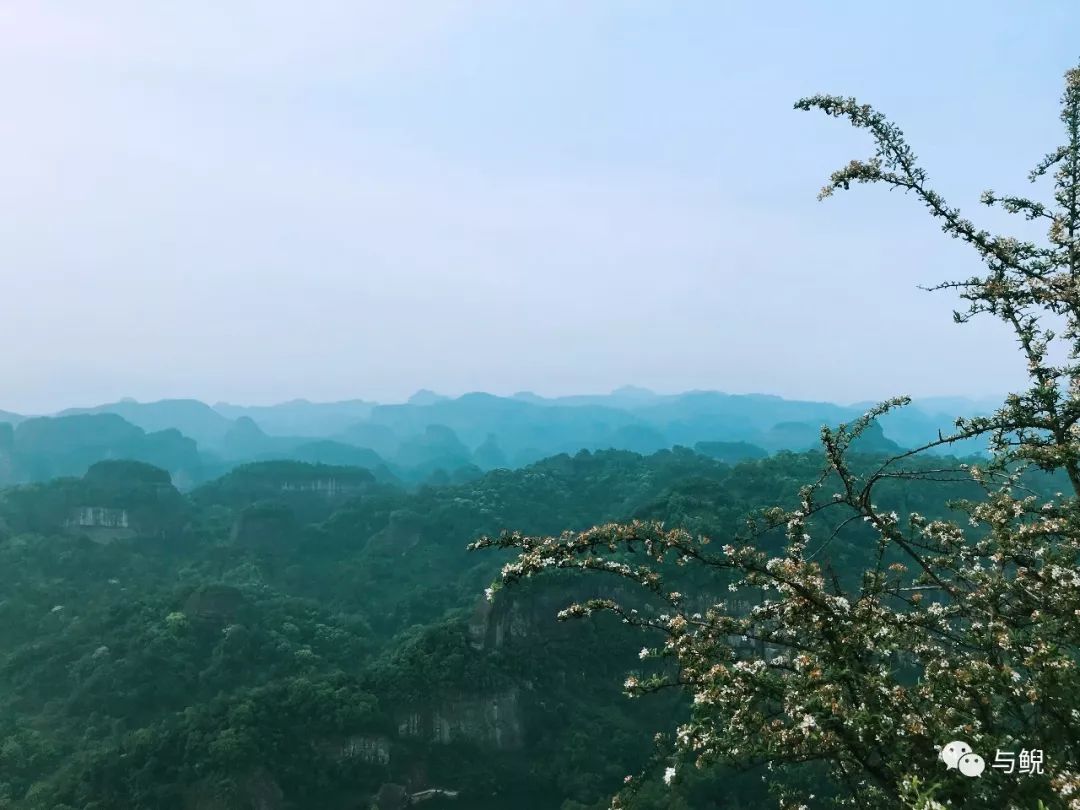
pixel 958 754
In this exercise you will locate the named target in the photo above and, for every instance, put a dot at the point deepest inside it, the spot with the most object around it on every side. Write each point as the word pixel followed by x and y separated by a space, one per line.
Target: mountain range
pixel 434 438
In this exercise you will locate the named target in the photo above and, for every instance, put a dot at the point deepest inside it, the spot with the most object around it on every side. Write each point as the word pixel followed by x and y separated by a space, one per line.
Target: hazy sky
pixel 255 201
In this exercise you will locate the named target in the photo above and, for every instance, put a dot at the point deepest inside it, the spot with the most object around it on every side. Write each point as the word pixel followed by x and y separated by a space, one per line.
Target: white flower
pixel 669 774
pixel 489 594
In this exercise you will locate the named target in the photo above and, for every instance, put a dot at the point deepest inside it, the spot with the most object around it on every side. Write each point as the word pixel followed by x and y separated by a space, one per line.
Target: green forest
pixel 299 635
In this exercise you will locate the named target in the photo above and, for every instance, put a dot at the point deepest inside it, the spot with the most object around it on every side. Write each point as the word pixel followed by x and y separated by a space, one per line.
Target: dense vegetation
pixel 301 635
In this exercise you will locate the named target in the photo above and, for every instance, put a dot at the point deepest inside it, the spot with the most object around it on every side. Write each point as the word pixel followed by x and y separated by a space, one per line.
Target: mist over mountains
pixel 437 439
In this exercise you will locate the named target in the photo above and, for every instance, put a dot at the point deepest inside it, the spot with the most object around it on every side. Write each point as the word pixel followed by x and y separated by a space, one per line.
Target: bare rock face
pixel 373 749
pixel 102 524
pixel 494 721
pixel 489 720
pixel 493 623
pixel 331 487
pixel 479 623
pixel 100 516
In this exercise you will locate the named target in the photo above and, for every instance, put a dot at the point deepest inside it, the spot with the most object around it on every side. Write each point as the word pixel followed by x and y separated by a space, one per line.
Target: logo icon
pixel 971 765
pixel 950 754
pixel 958 754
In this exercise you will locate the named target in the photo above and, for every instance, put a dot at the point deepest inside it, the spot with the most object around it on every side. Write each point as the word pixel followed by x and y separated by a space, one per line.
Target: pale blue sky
pixel 359 199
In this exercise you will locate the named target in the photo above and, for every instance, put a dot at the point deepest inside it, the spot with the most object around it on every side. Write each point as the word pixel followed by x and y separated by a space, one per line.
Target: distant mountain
pixel 426 397
pixel 518 424
pixel 191 417
pixel 326 451
pixel 48 447
pixel 301 417
pixel 433 438
pixel 380 438
pixel 640 438
pixel 245 440
pixel 629 396
pixel 913 427
pixel 11 418
pixel 873 440
pixel 489 455
pixel 754 411
pixel 730 452
pixel 791 436
pixel 437 447
pixel 959 406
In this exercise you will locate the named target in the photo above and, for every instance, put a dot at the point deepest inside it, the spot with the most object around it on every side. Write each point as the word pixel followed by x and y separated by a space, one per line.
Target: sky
pixel 257 201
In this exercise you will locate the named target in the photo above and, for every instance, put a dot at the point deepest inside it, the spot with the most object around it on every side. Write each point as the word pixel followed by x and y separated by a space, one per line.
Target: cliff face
pixel 102 524
pixel 100 517
pixel 311 491
pixel 331 487
pixel 492 624
pixel 516 614
pixel 373 749
pixel 491 720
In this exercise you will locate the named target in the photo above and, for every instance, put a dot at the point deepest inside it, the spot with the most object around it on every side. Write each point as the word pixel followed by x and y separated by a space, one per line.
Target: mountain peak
pixel 426 396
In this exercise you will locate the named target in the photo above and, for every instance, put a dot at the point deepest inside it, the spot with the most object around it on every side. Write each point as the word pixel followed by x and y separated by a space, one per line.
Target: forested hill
pixel 434 439
pixel 297 636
